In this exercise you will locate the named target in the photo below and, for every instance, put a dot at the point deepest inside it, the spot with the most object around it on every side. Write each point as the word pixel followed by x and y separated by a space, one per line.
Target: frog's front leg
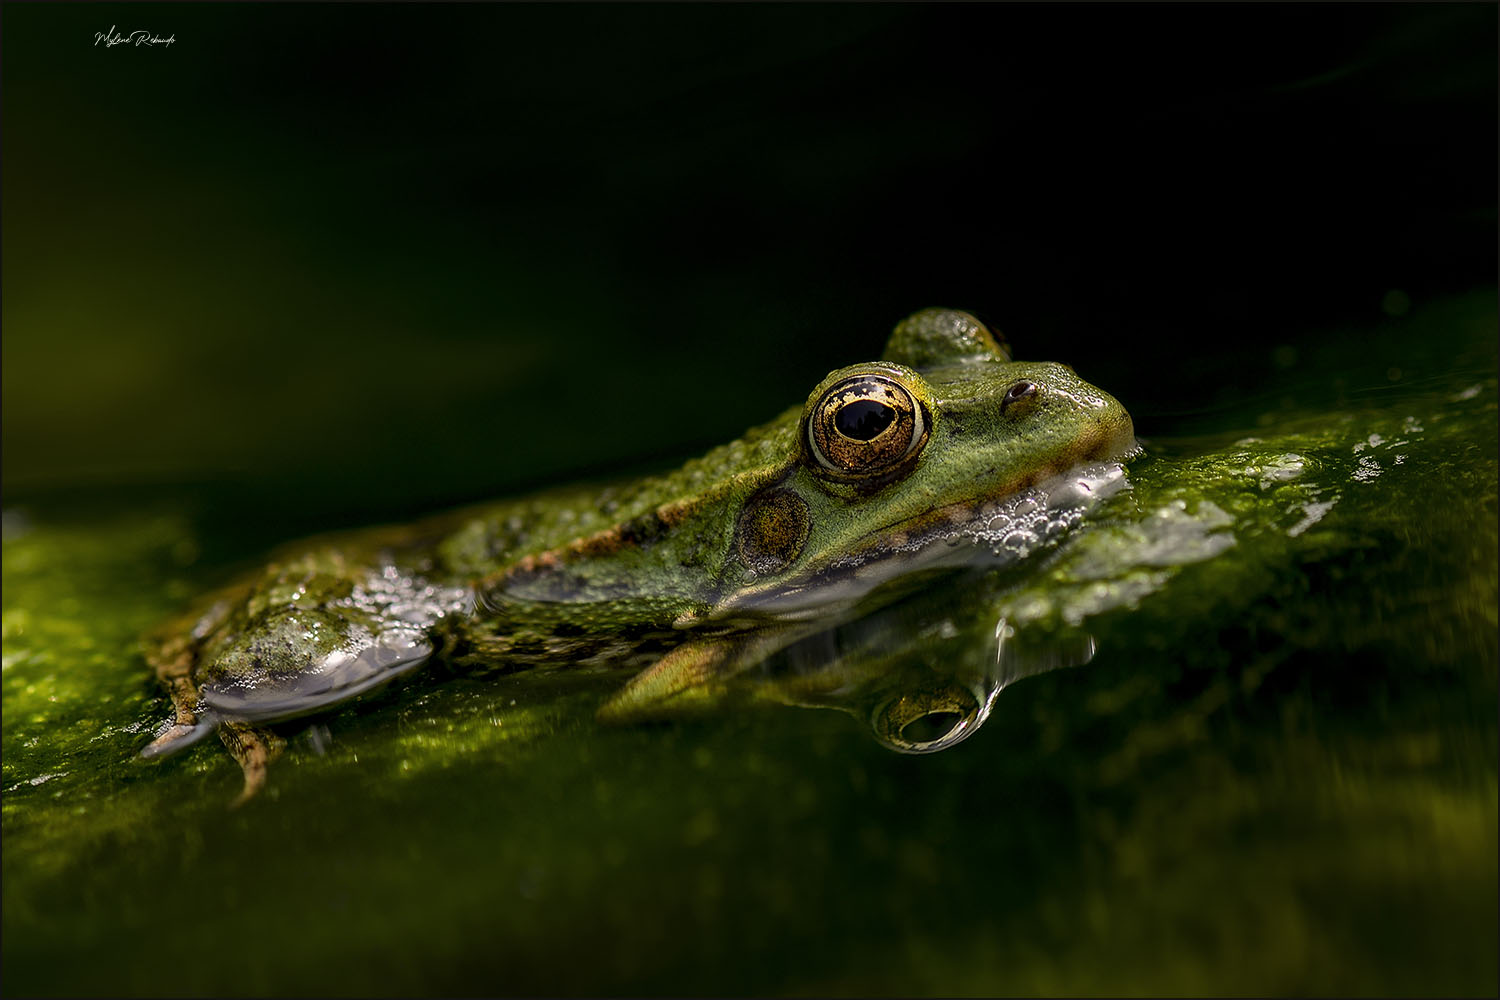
pixel 255 748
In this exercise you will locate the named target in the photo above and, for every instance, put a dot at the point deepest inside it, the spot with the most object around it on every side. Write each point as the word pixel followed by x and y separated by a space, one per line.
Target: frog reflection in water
pixel 686 578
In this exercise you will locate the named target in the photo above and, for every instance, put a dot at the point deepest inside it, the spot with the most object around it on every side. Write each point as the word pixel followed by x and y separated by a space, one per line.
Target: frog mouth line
pixel 952 535
pixel 922 530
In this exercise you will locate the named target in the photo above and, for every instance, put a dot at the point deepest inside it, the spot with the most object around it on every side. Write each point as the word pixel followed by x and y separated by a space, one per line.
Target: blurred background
pixel 315 265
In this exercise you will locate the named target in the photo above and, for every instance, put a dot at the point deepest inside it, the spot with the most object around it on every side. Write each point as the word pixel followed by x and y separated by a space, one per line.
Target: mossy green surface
pixel 1276 776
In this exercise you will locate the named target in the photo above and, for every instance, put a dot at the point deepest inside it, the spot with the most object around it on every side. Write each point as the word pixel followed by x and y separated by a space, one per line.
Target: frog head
pixel 897 461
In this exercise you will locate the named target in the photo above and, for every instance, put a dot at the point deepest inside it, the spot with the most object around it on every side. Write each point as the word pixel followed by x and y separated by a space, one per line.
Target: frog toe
pixel 255 749
pixel 178 736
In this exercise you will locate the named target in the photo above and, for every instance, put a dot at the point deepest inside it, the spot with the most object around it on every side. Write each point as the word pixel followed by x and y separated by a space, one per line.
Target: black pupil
pixel 863 419
pixel 1020 389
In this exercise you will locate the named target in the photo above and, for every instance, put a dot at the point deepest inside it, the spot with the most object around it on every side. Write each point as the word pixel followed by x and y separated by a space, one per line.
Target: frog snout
pixel 1111 432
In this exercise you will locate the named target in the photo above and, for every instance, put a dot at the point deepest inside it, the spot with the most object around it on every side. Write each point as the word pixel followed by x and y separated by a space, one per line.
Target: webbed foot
pixel 255 749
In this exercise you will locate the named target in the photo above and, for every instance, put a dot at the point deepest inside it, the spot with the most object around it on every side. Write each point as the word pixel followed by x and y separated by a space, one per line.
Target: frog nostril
pixel 1024 389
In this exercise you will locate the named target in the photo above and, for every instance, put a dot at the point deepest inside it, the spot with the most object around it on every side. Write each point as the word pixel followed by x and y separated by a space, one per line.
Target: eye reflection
pixel 931 727
pixel 926 720
pixel 920 675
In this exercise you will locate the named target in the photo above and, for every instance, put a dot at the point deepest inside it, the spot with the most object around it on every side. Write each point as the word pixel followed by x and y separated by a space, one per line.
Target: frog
pixel 890 471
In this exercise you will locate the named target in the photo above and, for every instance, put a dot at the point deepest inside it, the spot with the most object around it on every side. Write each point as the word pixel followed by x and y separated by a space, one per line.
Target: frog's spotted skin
pixel 889 466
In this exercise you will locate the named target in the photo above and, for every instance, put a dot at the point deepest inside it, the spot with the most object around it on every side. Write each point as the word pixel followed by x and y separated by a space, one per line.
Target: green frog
pixel 891 469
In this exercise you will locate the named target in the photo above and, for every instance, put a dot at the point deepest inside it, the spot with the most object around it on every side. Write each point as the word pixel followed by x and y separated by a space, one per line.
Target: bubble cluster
pixel 404 599
pixel 1025 522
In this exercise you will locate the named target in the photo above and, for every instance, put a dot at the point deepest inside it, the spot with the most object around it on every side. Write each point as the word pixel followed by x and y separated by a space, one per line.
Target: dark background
pixel 313 265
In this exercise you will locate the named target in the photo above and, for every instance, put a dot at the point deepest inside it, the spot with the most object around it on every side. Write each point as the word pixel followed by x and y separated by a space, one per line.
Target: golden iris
pixel 865 425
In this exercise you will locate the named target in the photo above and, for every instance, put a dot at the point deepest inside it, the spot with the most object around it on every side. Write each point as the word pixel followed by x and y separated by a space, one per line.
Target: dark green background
pixel 321 264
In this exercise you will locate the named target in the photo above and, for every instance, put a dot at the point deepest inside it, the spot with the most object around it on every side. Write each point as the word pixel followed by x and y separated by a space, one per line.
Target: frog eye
pixel 926 722
pixel 1023 389
pixel 865 425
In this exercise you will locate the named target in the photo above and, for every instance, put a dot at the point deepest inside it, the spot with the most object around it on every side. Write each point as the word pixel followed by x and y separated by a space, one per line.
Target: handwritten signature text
pixel 111 38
